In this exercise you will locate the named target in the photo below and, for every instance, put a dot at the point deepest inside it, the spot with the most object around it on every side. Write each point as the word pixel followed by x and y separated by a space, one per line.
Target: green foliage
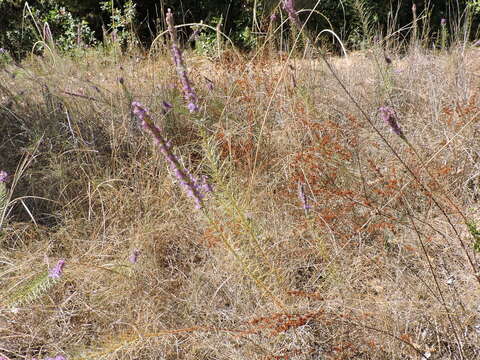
pixel 31 290
pixel 24 24
pixel 474 6
pixel 67 31
pixel 472 228
pixel 121 21
pixel 246 38
pixel 5 57
pixel 244 21
pixel 205 44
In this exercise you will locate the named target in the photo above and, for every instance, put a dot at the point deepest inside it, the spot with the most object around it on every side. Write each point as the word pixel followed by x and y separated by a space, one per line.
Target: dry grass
pixel 373 271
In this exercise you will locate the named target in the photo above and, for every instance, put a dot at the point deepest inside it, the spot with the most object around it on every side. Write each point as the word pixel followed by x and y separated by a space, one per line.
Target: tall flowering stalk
pixel 388 115
pixel 192 186
pixel 289 7
pixel 303 197
pixel 180 66
pixel 444 33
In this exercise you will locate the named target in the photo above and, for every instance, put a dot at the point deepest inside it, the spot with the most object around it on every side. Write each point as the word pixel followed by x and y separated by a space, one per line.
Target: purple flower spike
pixel 443 22
pixel 192 107
pixel 186 180
pixel 166 107
pixel 57 271
pixel 388 115
pixel 139 111
pixel 3 178
pixel 303 197
pixel 289 7
pixel 134 256
pixel 188 91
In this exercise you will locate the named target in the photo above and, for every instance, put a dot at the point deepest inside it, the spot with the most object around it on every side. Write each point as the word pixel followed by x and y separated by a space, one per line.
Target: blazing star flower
pixel 192 107
pixel 192 186
pixel 443 22
pixel 303 197
pixel 289 7
pixel 189 93
pixel 388 115
pixel 134 256
pixel 57 271
pixel 3 178
pixel 166 107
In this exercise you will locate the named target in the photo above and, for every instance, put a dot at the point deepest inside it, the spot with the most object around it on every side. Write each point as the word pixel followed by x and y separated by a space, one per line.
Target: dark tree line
pixel 239 18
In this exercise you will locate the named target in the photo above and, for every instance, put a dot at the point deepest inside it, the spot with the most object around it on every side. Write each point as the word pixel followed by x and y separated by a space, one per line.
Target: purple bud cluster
pixel 134 256
pixel 188 91
pixel 193 187
pixel 289 7
pixel 57 271
pixel 388 115
pixel 3 176
pixel 303 197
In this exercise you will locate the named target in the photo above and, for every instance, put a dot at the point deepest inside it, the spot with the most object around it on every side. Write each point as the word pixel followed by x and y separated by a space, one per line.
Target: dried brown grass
pixel 348 280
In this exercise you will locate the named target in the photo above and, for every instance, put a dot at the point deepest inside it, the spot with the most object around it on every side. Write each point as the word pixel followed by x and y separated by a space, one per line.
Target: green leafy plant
pixel 475 232
pixel 57 27
pixel 121 22
pixel 474 6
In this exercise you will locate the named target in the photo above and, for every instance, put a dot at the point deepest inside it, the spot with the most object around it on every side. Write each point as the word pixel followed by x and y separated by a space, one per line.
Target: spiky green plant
pixel 33 289
pixel 367 21
pixel 246 244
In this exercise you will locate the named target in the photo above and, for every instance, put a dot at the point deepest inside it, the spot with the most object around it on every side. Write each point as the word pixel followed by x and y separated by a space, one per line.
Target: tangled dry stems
pixel 346 279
